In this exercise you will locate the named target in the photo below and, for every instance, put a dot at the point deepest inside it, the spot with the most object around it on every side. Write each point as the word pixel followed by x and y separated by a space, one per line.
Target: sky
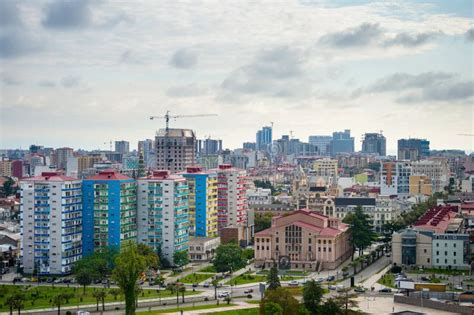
pixel 83 73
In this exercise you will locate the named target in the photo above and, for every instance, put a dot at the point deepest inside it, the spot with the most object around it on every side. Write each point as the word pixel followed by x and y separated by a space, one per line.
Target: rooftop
pixel 109 175
pixel 355 202
pixel 50 176
pixel 439 219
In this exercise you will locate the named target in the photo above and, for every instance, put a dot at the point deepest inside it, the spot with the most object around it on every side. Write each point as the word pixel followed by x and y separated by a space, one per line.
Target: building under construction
pixel 175 149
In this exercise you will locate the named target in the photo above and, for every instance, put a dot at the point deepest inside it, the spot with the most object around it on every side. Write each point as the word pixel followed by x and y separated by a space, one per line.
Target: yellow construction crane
pixel 167 117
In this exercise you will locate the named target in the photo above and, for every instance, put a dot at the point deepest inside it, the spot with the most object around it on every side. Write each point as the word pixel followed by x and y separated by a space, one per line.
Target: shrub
pixel 249 296
pixel 396 269
pixel 206 299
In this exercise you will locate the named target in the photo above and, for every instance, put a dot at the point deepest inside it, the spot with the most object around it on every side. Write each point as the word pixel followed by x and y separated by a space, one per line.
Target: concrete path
pixel 239 306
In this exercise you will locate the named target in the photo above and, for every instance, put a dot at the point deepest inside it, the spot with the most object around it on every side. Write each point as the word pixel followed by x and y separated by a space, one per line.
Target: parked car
pixel 293 283
pixel 360 289
pixel 332 287
pixel 58 281
pixel 206 284
pixel 223 294
pixel 320 280
pixel 345 274
pixel 425 278
pixel 387 255
pixel 248 291
pixel 331 278
pixel 385 290
pixel 195 285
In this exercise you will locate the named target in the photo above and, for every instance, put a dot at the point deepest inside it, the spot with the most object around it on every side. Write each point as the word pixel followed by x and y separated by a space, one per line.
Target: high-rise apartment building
pixel 109 211
pixel 51 223
pixel 249 146
pixel 342 142
pixel 413 149
pixel 17 168
pixel 420 185
pixel 325 168
pixel 163 218
pixel 264 138
pixel 232 204
pixel 209 146
pixel 6 168
pixel 322 143
pixel 62 155
pixel 374 143
pixel 395 179
pixel 145 147
pixel 202 201
pixel 175 149
pixel 86 162
pixel 122 146
pixel 437 171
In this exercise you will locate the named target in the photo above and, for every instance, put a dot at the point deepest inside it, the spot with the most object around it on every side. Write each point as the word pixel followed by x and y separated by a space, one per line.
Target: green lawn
pixel 189 308
pixel 387 280
pixel 45 294
pixel 247 278
pixel 196 277
pixel 246 311
pixel 210 268
pixel 439 271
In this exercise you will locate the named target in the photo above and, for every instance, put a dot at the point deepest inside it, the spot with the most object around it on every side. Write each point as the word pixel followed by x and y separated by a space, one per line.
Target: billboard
pixel 405 284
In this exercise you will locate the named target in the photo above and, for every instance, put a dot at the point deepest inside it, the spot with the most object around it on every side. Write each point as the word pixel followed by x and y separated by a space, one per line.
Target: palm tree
pixel 215 282
pixel 15 301
pixel 114 293
pixel 99 296
pixel 58 301
pixel 182 289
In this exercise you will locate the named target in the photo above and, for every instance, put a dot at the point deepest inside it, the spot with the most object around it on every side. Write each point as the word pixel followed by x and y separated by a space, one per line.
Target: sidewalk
pixel 240 306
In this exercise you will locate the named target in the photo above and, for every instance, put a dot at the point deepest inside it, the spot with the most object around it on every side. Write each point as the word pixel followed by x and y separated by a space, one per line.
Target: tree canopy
pixel 229 257
pixel 181 258
pixel 361 229
pixel 289 305
pixel 312 295
pixel 262 222
pixel 273 280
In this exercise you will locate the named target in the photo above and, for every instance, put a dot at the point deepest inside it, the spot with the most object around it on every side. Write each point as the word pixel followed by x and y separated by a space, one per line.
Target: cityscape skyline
pixel 98 74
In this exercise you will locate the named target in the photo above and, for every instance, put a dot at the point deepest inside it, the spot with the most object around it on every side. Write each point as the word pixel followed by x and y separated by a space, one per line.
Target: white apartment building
pixel 259 196
pixel 162 213
pixel 51 223
pixel 437 171
pixel 395 179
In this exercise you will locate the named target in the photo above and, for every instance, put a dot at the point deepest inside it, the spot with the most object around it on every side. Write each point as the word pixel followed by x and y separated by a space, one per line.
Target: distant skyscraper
pixel 264 138
pixel 342 142
pixel 374 143
pixel 51 223
pixel 175 149
pixel 321 142
pixel 163 219
pixel 413 149
pixel 209 146
pixel 62 155
pixel 249 145
pixel 149 155
pixel 122 146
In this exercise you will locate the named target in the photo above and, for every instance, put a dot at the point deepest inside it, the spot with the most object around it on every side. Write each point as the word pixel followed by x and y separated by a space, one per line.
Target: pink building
pixel 303 240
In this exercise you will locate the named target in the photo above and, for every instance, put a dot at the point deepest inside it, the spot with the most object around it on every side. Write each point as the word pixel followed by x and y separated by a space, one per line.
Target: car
pixel 67 281
pixel 223 294
pixel 195 285
pixel 458 287
pixel 206 284
pixel 331 278
pixel 387 255
pixel 332 287
pixel 248 291
pixel 303 281
pixel 49 280
pixel 425 278
pixel 385 290
pixel 345 274
pixel 58 281
pixel 293 283
pixel 320 280
pixel 360 289
pixel 339 288
pixel 219 285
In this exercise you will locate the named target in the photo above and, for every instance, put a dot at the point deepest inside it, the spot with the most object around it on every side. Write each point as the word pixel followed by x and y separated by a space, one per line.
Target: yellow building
pixel 5 168
pixel 325 167
pixel 420 185
pixel 85 162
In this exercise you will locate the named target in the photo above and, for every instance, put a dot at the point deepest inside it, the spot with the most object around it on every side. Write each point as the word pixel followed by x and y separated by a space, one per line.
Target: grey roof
pixel 355 202
pixel 175 132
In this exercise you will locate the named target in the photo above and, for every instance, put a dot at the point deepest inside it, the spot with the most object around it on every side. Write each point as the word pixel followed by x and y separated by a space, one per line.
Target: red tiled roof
pixel 50 176
pixel 437 219
pixel 108 175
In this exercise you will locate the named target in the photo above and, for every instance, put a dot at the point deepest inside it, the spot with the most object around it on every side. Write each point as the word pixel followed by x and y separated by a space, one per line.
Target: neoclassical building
pixel 303 239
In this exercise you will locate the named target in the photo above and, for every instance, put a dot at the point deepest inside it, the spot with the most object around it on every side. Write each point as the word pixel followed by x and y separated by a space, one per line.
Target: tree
pixel 312 294
pixel 151 258
pixel 8 187
pixel 215 283
pixel 99 296
pixel 361 230
pixel 272 309
pixel 345 300
pixel 273 280
pixel 181 258
pixel 58 301
pixel 283 298
pixel 182 289
pixel 129 264
pixel 248 253
pixel 330 307
pixel 15 301
pixel 262 222
pixel 115 293
pixel 84 278
pixel 228 258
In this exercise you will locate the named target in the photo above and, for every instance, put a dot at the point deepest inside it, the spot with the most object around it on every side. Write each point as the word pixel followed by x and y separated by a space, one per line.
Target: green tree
pixel 84 278
pixel 272 309
pixel 361 230
pixel 8 187
pixel 181 258
pixel 58 300
pixel 262 222
pixel 346 300
pixel 99 296
pixel 215 283
pixel 248 253
pixel 15 301
pixel 115 293
pixel 282 297
pixel 228 258
pixel 330 307
pixel 273 280
pixel 312 295
pixel 151 258
pixel 129 264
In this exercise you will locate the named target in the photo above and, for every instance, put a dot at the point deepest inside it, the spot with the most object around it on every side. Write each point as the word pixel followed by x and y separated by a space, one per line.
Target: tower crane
pixel 167 117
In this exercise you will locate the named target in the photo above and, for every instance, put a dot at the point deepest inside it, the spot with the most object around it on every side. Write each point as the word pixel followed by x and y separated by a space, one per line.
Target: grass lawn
pixel 196 277
pixel 297 273
pixel 189 308
pixel 387 280
pixel 247 278
pixel 45 294
pixel 299 290
pixel 245 311
pixel 210 268
pixel 439 271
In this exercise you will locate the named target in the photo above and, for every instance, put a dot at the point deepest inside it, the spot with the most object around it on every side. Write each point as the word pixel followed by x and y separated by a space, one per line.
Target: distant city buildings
pixel 395 178
pixel 146 148
pixel 62 155
pixel 322 143
pixel 374 143
pixel 175 149
pixel 208 146
pixel 413 149
pixel 122 147
pixel 342 142
pixel 437 171
pixel 264 138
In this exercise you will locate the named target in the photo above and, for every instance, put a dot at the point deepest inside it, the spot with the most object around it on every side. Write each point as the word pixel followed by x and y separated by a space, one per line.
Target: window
pixel 428 260
pixel 454 261
pixel 437 260
pixel 454 254
pixel 424 251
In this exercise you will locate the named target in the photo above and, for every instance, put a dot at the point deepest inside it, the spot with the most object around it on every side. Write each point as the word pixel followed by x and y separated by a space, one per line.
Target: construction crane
pixel 167 117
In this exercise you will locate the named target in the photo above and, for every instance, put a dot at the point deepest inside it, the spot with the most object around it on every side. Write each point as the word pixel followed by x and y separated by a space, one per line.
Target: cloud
pixel 130 57
pixel 47 83
pixel 7 79
pixel 70 81
pixel 67 14
pixel 184 59
pixel 278 72
pixel 410 40
pixel 17 43
pixel 9 14
pixel 359 36
pixel 470 34
pixel 188 90
pixel 423 87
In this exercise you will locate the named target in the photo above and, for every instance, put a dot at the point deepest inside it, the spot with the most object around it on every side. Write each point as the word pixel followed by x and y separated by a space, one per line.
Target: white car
pixel 293 283
pixel 223 294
